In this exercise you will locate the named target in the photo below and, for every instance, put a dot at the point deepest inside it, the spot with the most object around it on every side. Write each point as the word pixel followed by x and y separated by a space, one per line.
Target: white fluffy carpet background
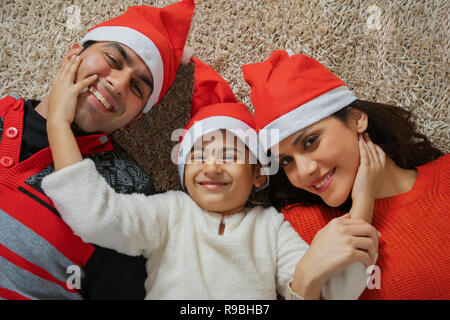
pixel 394 52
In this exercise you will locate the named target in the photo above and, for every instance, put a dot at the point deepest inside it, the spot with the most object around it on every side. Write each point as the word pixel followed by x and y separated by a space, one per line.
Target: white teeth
pixel 100 98
pixel 322 183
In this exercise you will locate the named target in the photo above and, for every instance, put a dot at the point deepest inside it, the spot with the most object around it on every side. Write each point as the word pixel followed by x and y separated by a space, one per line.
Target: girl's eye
pixel 197 158
pixel 285 161
pixel 229 158
pixel 309 141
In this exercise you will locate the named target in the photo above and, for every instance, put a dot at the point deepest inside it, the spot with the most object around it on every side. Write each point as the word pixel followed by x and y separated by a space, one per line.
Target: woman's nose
pixel 305 166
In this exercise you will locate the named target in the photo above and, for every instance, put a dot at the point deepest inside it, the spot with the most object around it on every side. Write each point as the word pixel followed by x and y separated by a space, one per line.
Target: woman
pixel 318 120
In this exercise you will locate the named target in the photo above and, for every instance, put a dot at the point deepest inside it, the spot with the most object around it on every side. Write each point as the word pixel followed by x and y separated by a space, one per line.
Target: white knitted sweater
pixel 255 258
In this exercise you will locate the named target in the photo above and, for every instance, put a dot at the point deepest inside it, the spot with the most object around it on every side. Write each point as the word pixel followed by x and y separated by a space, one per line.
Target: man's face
pixel 123 87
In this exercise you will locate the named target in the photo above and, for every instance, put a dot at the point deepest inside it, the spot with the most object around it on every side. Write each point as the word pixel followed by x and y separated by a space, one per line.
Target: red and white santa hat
pixel 215 107
pixel 157 35
pixel 290 93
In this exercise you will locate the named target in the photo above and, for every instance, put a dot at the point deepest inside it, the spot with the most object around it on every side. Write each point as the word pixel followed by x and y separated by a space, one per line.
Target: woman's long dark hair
pixel 390 127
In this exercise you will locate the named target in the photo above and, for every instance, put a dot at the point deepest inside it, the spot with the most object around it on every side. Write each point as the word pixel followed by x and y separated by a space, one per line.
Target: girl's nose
pixel 212 165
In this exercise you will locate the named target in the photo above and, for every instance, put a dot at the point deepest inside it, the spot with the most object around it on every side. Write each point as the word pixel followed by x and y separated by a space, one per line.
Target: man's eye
pixel 113 61
pixel 309 141
pixel 137 90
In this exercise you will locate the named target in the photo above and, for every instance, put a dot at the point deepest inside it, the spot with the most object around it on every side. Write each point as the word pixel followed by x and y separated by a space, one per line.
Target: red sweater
pixel 414 248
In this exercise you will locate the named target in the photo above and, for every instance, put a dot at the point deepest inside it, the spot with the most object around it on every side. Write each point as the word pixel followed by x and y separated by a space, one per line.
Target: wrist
pixel 363 197
pixel 306 282
pixel 57 124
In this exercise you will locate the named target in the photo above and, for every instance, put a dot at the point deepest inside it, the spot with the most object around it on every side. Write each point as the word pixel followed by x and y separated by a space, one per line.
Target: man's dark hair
pixel 86 45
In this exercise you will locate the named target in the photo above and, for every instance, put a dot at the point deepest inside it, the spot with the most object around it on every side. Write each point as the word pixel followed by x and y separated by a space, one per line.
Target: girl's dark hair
pixel 390 127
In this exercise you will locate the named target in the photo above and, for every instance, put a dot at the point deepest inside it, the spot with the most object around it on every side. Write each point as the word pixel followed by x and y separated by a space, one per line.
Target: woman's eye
pixel 285 161
pixel 309 141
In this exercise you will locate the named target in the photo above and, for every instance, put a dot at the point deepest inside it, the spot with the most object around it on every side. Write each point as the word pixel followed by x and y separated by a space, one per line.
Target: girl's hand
pixel 341 242
pixel 369 175
pixel 64 92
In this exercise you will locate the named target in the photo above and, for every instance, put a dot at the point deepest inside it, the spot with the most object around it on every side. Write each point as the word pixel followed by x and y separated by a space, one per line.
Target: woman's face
pixel 324 158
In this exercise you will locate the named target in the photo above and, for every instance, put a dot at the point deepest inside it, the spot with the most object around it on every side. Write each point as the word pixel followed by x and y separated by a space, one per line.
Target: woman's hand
pixel 341 242
pixel 368 179
pixel 372 163
pixel 64 92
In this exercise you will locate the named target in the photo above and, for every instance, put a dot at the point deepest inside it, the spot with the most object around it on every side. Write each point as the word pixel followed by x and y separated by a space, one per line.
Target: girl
pixel 319 121
pixel 208 244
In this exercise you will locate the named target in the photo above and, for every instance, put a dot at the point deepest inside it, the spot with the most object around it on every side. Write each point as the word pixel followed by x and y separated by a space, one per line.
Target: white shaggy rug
pixel 394 52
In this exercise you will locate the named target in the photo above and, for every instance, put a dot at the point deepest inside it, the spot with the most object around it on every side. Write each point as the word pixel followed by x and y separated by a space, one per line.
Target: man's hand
pixel 64 92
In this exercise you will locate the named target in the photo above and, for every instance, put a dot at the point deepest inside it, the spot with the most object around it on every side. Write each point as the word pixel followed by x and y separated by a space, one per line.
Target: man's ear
pixel 138 116
pixel 259 178
pixel 358 119
pixel 135 119
pixel 75 50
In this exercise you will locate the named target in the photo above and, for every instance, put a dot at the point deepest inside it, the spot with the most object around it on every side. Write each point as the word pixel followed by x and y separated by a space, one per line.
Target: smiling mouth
pixel 325 182
pixel 100 98
pixel 212 185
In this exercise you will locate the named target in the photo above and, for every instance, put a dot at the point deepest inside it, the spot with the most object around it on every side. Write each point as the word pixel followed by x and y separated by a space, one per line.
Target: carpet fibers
pixel 394 52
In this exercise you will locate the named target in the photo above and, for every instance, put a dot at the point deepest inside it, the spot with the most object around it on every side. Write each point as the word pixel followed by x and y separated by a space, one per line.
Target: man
pixel 134 58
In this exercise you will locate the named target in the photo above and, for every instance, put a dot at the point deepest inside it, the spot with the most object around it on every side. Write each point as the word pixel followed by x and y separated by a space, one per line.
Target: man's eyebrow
pixel 129 62
pixel 122 52
pixel 147 81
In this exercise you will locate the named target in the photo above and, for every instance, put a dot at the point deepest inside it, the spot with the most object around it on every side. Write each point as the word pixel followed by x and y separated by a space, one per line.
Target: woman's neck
pixel 395 180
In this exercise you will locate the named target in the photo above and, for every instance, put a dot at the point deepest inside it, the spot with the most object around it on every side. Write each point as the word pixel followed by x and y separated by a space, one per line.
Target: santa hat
pixel 292 93
pixel 215 107
pixel 156 35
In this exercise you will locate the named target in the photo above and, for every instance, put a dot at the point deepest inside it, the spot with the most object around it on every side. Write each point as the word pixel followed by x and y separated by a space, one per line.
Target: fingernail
pixel 379 234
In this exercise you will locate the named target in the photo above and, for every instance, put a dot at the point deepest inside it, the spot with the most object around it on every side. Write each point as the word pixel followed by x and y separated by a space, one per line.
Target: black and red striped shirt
pixel 40 257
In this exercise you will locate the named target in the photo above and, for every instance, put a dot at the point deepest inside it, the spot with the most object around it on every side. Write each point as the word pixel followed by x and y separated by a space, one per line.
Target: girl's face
pixel 323 158
pixel 218 175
